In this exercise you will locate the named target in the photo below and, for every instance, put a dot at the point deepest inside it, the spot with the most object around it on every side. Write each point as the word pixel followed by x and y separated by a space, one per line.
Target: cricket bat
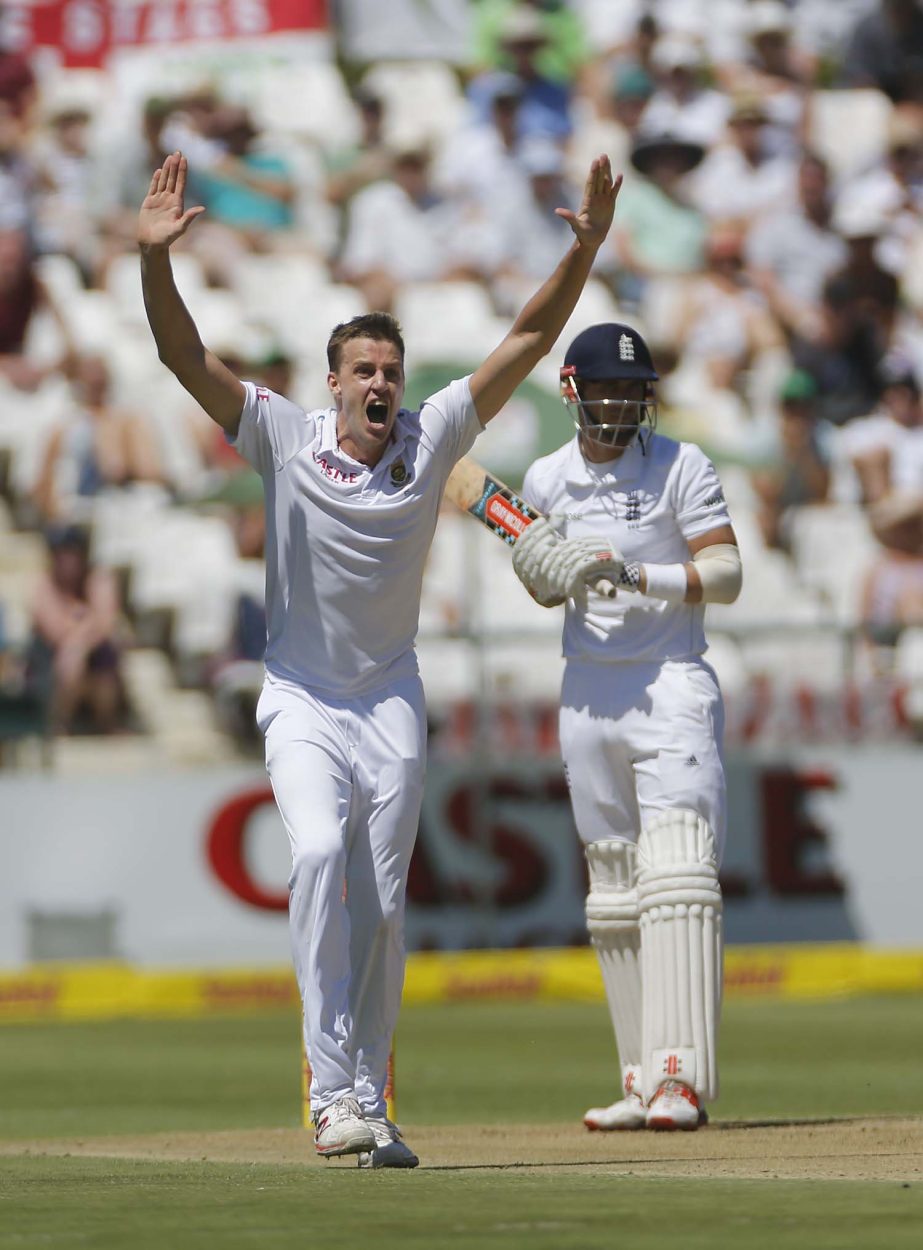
pixel 472 489
pixel 496 505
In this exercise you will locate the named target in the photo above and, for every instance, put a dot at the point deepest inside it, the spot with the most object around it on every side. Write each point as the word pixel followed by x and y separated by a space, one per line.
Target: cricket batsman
pixel 641 715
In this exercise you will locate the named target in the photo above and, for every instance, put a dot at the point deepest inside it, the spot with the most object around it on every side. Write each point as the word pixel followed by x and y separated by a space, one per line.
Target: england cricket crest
pixel 399 473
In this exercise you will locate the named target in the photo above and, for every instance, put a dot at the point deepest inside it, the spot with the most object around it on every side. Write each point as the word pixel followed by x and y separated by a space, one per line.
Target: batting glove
pixel 533 556
pixel 581 564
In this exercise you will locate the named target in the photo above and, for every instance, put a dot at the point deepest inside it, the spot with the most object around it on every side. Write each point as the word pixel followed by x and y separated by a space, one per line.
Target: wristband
pixel 666 581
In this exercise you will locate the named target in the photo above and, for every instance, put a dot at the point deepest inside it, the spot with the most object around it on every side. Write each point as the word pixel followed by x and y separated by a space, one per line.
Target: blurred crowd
pixel 768 243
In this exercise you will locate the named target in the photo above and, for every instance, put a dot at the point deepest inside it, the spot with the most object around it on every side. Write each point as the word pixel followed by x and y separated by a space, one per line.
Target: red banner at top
pixel 86 32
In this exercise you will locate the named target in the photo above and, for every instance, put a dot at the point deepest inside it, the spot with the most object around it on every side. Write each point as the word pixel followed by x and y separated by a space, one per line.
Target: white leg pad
pixel 613 921
pixel 681 952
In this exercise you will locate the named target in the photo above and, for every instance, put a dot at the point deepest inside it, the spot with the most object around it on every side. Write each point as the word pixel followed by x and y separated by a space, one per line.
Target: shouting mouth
pixel 377 412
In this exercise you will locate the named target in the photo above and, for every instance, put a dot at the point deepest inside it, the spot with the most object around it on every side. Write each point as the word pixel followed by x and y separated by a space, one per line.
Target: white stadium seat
pixel 848 128
pixel 832 547
pixel 422 99
pixel 448 320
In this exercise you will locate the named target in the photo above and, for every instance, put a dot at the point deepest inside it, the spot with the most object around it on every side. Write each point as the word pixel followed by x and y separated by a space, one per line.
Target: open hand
pixel 163 218
pixel 592 220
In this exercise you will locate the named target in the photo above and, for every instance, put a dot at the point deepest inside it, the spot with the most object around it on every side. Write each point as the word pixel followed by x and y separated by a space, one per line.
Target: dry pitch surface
pixel 873 1149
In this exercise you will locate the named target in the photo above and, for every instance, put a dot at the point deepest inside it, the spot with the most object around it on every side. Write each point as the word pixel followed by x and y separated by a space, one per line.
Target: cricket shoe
pixel 675 1106
pixel 391 1151
pixel 628 1113
pixel 341 1129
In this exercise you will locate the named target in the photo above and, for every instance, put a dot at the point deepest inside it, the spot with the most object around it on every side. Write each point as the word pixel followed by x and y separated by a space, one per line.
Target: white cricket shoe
pixel 342 1129
pixel 628 1113
pixel 675 1106
pixel 391 1151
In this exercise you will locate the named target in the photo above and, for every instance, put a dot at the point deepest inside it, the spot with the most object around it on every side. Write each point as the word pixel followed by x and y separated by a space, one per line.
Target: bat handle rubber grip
pixel 604 586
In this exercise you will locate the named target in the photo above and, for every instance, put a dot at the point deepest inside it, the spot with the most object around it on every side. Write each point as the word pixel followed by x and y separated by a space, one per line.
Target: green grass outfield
pixel 478 1064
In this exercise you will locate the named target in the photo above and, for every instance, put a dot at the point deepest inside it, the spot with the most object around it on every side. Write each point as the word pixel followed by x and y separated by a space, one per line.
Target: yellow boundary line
pixel 107 991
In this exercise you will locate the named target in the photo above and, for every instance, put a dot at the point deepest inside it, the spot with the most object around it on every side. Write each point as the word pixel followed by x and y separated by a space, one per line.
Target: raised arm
pixel 537 327
pixel 164 219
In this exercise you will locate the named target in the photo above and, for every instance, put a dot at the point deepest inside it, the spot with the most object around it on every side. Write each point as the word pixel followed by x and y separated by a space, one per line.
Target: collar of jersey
pixel 582 473
pixel 330 446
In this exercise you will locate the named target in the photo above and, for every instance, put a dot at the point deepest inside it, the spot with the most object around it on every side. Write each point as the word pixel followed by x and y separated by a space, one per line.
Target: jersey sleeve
pixel 272 429
pixel 450 420
pixel 698 495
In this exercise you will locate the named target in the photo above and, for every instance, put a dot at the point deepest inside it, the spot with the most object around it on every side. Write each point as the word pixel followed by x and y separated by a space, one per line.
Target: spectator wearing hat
pixel 532 238
pixel 790 255
pixel 249 192
pixel 658 232
pixel 401 229
pixel 94 446
pixel 75 650
pixel 67 212
pixel 740 178
pixel 126 184
pixel 560 51
pixel 885 50
pixel 545 103
pixel 796 469
pixel 683 105
pixel 478 164
pixel 724 326
pixel 247 188
pixel 621 40
pixel 872 290
pixel 609 121
pixel 775 69
pixel 891 192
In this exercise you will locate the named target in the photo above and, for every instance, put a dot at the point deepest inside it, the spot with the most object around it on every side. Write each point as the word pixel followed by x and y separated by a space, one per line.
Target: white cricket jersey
pixel 346 544
pixel 647 503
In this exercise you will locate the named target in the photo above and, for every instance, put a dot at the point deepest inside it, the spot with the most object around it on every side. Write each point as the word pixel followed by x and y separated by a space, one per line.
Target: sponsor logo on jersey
pixel 626 347
pixel 716 498
pixel 262 393
pixel 633 508
pixel 332 472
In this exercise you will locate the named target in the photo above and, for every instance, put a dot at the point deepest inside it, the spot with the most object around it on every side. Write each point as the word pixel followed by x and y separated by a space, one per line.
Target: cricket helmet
pixel 610 352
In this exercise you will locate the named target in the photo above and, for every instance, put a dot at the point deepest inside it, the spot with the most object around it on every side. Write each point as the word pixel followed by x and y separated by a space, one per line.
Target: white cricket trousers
pixel 347 776
pixel 638 739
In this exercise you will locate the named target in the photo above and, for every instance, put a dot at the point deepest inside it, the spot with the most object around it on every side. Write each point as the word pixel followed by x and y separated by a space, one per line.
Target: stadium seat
pixel 448 320
pixel 908 655
pixel 422 99
pixel 848 128
pixel 123 282
pixel 832 547
pixel 327 117
pixel 596 304
pixel 770 597
pixel 60 276
pixel 277 288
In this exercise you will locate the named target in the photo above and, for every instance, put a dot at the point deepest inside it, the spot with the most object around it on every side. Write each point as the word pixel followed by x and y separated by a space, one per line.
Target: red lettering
pixel 789 834
pixel 225 847
pixel 526 873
